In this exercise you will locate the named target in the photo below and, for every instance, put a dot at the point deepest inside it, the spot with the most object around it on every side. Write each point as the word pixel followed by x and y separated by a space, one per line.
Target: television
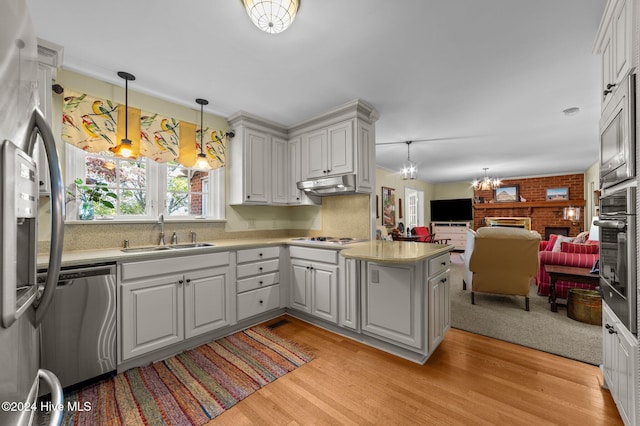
pixel 455 210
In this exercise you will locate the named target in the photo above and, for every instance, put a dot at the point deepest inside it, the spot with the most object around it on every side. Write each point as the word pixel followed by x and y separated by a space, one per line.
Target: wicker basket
pixel 584 306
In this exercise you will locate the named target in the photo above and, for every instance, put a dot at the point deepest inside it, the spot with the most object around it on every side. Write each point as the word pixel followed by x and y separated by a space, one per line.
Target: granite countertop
pixel 112 255
pixel 394 251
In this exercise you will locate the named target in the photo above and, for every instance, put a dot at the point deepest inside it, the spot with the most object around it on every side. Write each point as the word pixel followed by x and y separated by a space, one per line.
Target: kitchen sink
pixel 190 245
pixel 171 247
pixel 144 249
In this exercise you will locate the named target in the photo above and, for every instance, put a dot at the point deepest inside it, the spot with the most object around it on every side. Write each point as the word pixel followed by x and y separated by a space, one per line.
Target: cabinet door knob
pixel 260 282
pixel 443 263
pixel 260 268
pixel 188 280
pixel 444 280
pixel 606 92
pixel 610 85
pixel 298 198
pixel 261 302
pixel 248 196
pixel 308 267
pixel 612 331
pixel 260 254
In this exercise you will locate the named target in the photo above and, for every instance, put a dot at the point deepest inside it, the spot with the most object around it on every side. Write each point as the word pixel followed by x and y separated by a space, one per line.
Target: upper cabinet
pixel 267 160
pixel 339 142
pixel 613 43
pixel 328 151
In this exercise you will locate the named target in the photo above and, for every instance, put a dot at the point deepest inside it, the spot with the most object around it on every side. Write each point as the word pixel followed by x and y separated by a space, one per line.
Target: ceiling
pixel 482 83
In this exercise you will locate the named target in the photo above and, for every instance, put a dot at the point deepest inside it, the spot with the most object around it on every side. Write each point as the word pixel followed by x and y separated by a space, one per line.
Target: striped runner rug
pixel 190 388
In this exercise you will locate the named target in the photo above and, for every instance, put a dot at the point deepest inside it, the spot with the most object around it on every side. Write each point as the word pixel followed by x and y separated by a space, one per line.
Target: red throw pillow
pixel 551 243
pixel 579 248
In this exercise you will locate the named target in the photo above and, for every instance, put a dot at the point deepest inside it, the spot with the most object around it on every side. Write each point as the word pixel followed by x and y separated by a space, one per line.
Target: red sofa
pixel 585 257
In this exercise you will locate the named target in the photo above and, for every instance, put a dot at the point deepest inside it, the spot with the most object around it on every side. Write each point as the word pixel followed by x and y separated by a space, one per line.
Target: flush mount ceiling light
pixel 125 149
pixel 486 183
pixel 201 162
pixel 272 16
pixel 409 168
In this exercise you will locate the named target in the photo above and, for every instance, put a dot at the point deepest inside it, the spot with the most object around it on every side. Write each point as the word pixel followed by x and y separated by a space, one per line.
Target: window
pixel 146 188
pixel 126 178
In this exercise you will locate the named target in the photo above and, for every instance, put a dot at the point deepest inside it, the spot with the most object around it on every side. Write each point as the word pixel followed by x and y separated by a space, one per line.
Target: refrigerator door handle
pixel 38 126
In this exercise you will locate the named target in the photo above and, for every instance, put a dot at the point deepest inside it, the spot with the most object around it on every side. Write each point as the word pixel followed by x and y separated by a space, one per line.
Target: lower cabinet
pixel 167 308
pixel 314 285
pixel 258 288
pixel 620 352
pixel 392 303
pixel 439 308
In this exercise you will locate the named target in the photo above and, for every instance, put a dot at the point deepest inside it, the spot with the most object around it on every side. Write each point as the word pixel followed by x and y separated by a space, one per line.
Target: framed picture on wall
pixel 507 194
pixel 555 194
pixel 388 206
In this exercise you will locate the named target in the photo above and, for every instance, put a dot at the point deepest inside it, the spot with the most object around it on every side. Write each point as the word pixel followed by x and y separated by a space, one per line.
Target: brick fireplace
pixel 543 214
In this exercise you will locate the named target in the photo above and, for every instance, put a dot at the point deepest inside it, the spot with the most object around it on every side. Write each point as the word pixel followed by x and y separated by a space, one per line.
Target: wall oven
pixel 617 226
pixel 617 135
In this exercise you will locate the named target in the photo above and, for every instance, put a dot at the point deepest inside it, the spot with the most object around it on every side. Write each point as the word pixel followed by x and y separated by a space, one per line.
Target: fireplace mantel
pixel 529 204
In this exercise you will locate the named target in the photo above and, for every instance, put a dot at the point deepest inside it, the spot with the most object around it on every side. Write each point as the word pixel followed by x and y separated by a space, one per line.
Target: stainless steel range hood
pixel 335 185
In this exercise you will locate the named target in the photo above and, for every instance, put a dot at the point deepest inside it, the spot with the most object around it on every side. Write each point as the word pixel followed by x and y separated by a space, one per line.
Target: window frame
pixel 156 191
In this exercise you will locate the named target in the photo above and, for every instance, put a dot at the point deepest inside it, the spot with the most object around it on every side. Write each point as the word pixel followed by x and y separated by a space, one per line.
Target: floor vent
pixel 278 324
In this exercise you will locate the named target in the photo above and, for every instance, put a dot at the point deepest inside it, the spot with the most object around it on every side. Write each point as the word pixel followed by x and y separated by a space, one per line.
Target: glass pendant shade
pixel 409 168
pixel 272 16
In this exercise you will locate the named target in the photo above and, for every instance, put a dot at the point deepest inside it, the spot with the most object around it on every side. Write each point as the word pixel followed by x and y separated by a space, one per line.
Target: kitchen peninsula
pixel 404 294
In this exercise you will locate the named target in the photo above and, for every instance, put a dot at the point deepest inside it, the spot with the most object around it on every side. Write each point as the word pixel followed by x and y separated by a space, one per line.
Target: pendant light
pixel 201 162
pixel 272 16
pixel 125 149
pixel 410 168
pixel 486 183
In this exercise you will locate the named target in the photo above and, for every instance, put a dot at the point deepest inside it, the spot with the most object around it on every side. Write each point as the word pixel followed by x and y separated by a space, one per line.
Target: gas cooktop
pixel 329 240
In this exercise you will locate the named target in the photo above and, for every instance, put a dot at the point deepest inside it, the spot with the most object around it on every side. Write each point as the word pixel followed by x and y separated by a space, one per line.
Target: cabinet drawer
pixel 252 255
pixel 147 268
pixel 256 268
pixel 255 302
pixel 439 263
pixel 258 281
pixel 316 255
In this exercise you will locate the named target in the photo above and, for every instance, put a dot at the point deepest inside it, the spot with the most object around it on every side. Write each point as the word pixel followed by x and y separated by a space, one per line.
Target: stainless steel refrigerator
pixel 22 303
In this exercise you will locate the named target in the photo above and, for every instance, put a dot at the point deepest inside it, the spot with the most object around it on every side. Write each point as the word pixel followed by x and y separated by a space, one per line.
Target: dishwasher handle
pixel 67 276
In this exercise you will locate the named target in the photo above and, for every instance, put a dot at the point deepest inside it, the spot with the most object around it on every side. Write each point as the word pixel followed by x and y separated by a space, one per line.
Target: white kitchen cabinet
pixel 257 167
pixel 328 151
pixel 258 278
pixel 439 307
pixel 294 195
pixel 392 300
pixel 280 170
pixel 314 283
pixel 152 315
pixel 614 44
pixel 620 354
pixel 165 301
pixel 348 291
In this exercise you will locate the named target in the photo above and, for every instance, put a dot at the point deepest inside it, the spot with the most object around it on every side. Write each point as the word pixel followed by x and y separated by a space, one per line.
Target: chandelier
pixel 272 16
pixel 409 168
pixel 486 183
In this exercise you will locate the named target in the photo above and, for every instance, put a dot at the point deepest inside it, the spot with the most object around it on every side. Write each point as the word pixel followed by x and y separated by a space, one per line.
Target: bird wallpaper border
pixel 91 124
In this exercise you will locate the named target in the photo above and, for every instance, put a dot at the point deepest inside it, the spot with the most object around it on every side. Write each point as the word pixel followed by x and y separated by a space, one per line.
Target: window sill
pixel 137 221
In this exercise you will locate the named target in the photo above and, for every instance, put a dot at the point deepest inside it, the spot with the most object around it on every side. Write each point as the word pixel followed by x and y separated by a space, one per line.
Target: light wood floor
pixel 469 380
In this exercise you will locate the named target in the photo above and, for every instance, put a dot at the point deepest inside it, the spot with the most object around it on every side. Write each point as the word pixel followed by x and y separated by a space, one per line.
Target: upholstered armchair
pixel 500 260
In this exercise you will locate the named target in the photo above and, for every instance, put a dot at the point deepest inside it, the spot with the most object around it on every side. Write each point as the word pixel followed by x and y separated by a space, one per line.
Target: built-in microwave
pixel 617 135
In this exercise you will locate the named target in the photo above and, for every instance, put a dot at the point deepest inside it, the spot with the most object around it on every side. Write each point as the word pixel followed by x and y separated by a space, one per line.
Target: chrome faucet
pixel 161 221
pixel 193 237
pixel 174 238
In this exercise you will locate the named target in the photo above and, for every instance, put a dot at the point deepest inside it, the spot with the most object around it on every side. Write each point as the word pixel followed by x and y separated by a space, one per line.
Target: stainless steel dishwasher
pixel 79 330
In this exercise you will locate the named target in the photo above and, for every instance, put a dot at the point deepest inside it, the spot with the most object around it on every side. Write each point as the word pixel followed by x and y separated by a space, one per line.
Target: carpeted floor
pixel 190 388
pixel 504 318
